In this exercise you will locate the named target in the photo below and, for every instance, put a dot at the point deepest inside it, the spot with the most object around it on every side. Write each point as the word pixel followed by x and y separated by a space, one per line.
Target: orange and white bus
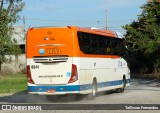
pixel 75 60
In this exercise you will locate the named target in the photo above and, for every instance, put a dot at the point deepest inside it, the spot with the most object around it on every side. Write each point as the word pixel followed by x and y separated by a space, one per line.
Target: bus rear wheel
pixel 93 94
pixel 121 90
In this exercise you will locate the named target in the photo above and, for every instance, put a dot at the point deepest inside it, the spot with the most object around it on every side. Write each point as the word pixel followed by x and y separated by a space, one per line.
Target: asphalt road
pixel 140 92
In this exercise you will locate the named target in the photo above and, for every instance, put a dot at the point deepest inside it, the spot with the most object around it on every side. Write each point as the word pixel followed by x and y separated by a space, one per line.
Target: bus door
pixel 117 69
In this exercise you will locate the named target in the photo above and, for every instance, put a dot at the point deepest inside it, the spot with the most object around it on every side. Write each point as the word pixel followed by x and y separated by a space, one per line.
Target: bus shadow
pixel 24 97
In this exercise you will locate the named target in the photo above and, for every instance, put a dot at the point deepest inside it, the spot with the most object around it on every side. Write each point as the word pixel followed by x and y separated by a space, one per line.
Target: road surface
pixel 140 92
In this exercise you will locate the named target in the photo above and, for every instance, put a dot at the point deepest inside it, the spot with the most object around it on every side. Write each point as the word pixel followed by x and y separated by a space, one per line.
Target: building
pixel 19 35
pixel 18 63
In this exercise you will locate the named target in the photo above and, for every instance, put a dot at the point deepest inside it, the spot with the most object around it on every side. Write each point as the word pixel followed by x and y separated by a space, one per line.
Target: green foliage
pixel 8 16
pixel 143 35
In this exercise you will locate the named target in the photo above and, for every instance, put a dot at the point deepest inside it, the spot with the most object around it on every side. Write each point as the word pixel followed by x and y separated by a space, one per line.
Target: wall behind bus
pixel 17 65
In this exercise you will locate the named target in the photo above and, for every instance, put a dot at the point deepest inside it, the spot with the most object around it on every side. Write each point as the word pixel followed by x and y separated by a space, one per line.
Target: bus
pixel 75 60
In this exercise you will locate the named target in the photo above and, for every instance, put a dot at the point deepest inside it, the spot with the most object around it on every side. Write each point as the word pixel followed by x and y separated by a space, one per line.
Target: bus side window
pixel 122 49
pixel 115 47
pixel 86 44
pixel 101 45
pixel 95 44
pixel 108 46
pixel 83 42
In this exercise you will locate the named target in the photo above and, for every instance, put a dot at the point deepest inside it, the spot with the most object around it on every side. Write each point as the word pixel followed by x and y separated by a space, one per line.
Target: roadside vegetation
pixel 13 83
pixel 9 10
pixel 143 41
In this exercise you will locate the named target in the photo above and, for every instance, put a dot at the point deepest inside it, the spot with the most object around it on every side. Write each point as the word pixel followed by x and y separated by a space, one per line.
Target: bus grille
pixel 54 59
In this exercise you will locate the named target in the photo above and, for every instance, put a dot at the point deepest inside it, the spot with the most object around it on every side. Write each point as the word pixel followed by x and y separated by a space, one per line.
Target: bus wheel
pixel 121 90
pixel 124 84
pixel 93 94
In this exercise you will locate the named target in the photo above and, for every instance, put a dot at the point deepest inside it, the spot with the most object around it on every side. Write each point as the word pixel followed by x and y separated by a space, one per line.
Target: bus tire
pixel 121 90
pixel 124 84
pixel 93 94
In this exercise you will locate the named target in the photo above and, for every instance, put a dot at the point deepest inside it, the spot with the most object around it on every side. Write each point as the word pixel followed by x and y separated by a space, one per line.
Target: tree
pixel 8 16
pixel 143 35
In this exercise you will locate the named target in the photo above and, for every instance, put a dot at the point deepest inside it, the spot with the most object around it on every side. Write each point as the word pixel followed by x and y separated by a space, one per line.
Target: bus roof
pixel 94 30
pixel 110 33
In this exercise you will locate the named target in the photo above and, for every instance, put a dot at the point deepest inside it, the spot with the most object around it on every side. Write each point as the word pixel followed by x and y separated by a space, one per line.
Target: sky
pixel 83 13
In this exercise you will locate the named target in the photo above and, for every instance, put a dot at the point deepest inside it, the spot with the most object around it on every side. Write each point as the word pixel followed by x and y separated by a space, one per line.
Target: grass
pixel 13 83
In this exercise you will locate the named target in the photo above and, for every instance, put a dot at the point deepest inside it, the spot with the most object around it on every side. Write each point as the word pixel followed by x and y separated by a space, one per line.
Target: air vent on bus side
pixel 50 59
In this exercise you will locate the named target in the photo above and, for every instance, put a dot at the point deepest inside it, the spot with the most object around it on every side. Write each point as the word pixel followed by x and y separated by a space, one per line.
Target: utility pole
pixel 24 22
pixel 106 20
